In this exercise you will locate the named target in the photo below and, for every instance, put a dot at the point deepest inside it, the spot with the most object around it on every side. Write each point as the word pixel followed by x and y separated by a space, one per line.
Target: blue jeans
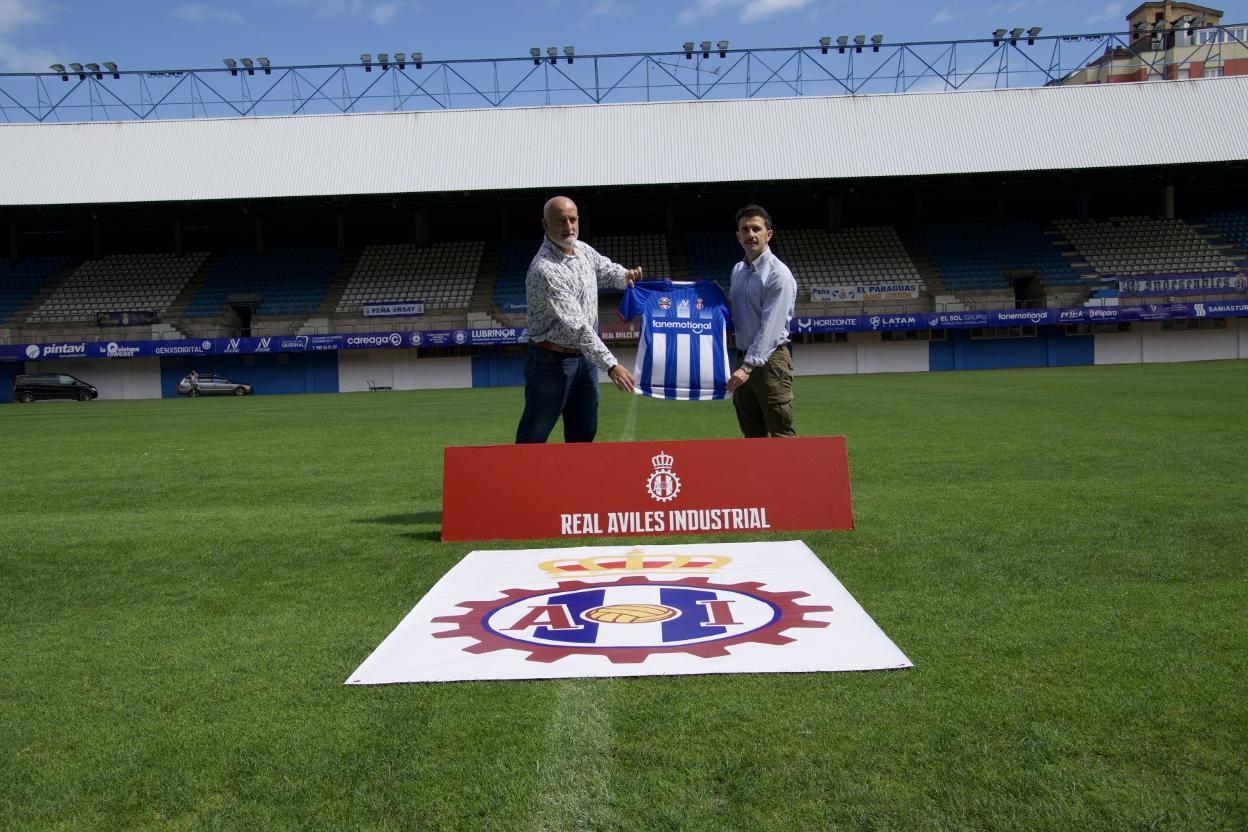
pixel 557 384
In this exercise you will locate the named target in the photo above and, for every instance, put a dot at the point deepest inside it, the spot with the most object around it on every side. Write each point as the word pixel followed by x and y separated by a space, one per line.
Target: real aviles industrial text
pixel 671 520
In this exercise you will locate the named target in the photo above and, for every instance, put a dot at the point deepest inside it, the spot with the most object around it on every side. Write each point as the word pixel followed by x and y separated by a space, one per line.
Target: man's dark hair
pixel 753 211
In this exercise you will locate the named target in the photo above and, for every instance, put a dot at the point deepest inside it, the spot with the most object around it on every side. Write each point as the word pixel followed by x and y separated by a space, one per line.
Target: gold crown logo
pixel 635 562
pixel 662 460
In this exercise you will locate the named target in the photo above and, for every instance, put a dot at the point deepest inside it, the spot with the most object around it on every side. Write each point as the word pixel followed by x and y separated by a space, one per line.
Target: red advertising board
pixel 627 489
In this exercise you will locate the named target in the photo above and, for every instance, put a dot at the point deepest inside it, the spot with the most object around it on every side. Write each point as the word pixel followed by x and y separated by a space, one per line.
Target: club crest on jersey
pixel 700 304
pixel 665 302
pixel 629 619
pixel 663 485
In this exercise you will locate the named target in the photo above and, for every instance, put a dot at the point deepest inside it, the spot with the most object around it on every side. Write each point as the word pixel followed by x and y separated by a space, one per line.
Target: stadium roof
pixel 920 134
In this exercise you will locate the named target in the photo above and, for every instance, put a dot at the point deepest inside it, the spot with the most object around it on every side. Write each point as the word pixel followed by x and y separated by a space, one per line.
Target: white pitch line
pixel 630 420
pixel 575 785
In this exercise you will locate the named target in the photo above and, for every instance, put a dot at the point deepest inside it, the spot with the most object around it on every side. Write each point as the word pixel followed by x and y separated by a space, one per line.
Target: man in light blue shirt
pixel 763 294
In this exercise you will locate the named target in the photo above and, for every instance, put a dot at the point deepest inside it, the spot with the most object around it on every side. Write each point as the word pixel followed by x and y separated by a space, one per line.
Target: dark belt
pixel 553 347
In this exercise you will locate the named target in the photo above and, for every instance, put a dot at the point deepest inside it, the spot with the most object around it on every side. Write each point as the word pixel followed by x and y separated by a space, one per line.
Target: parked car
pixel 30 387
pixel 211 384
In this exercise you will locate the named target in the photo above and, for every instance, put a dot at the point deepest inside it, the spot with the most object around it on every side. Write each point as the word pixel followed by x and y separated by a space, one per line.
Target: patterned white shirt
pixel 562 291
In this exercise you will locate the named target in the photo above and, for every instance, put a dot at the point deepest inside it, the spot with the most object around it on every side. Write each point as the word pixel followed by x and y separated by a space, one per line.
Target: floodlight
pixel 876 40
pixel 78 68
pixel 841 42
pixel 418 58
pixel 537 55
pixel 706 49
pixel 251 66
pixel 824 43
pixel 569 53
pixel 723 48
pixel 553 54
pixel 112 67
pixel 264 62
pixel 383 58
pixel 688 49
pixel 1016 33
pixel 997 35
pixel 400 59
pixel 231 64
pixel 57 67
pixel 367 60
pixel 859 40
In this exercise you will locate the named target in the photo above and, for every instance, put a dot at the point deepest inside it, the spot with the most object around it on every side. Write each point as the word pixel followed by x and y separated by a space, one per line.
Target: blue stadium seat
pixel 513 265
pixel 290 282
pixel 19 282
pixel 1233 225
pixel 976 255
pixel 712 254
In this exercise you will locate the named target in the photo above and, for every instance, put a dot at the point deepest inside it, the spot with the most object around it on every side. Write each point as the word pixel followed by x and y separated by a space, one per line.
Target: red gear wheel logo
pixel 792 616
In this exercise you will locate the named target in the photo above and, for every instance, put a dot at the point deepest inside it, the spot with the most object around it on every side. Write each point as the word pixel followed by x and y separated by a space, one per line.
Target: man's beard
pixel 569 240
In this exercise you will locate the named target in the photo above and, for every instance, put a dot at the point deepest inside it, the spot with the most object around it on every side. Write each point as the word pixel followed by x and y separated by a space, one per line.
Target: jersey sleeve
pixel 715 296
pixel 633 303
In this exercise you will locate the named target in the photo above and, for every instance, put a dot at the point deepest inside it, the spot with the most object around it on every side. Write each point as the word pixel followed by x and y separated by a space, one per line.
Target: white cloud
pixel 759 9
pixel 382 13
pixel 15 13
pixel 750 10
pixel 611 8
pixel 195 13
pixel 704 8
pixel 26 59
pixel 948 14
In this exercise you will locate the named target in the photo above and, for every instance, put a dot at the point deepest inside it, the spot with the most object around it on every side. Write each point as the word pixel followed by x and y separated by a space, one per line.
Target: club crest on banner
pixel 663 485
pixel 674 608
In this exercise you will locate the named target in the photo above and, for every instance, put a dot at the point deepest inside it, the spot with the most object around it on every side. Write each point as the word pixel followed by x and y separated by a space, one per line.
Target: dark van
pixel 34 386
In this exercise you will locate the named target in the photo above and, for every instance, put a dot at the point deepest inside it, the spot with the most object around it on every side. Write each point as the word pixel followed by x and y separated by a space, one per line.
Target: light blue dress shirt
pixel 763 294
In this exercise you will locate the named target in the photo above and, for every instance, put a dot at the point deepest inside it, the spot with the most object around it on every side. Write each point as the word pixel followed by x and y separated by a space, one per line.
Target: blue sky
pixel 137 34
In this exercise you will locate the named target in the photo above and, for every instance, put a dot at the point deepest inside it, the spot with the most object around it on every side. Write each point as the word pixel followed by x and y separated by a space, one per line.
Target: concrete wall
pixel 1147 343
pixel 400 369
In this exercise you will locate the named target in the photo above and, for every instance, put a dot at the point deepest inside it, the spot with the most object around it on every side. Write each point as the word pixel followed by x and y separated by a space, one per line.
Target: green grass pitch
pixel 185 585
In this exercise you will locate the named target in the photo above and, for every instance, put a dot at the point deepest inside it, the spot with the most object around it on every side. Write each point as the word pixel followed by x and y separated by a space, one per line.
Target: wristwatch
pixel 748 368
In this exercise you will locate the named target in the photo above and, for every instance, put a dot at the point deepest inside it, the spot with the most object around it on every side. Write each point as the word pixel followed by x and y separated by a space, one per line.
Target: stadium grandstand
pixel 1026 226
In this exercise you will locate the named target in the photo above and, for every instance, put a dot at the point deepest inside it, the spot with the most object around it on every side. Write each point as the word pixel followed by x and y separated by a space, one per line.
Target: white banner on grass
pixel 632 611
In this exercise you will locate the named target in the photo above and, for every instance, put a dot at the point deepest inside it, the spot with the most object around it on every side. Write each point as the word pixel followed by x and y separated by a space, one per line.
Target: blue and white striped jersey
pixel 683 349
